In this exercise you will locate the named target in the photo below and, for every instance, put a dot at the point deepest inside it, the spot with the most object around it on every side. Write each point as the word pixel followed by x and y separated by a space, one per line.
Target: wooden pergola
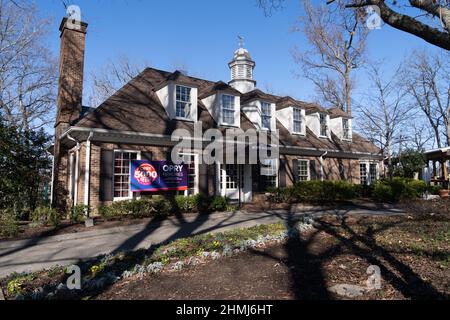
pixel 441 156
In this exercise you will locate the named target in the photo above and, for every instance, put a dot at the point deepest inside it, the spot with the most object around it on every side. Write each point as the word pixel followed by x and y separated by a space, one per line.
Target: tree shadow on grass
pixel 397 273
pixel 307 268
pixel 307 277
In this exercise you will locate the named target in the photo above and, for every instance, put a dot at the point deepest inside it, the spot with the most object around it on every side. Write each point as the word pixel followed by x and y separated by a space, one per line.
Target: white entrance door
pixel 235 182
pixel 192 163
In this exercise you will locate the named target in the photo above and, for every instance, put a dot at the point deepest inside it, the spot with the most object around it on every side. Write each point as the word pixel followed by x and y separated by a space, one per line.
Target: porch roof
pixel 442 154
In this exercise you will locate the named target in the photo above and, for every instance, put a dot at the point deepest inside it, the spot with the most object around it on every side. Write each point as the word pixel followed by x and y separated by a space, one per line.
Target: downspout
pixel 87 173
pixel 321 165
pixel 53 179
pixel 77 161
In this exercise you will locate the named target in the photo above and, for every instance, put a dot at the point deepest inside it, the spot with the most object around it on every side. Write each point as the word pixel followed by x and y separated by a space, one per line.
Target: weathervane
pixel 241 41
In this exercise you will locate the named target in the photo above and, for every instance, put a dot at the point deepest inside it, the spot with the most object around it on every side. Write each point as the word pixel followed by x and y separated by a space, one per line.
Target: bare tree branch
pixel 337 41
pixel 111 77
pixel 28 72
pixel 437 9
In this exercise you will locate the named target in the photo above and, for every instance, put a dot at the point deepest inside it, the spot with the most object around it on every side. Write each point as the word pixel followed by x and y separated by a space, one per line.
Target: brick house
pixel 93 147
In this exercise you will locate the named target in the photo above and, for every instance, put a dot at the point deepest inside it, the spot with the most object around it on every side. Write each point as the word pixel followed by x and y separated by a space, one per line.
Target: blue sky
pixel 202 36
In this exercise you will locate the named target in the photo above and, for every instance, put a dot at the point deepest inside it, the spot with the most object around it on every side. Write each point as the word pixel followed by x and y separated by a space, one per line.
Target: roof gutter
pixel 169 139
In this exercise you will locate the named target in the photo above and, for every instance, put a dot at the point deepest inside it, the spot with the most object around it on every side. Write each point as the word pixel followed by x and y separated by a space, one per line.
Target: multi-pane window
pixel 269 172
pixel 228 109
pixel 230 175
pixel 297 120
pixel 189 160
pixel 346 128
pixel 183 102
pixel 373 172
pixel 122 164
pixel 363 173
pixel 303 170
pixel 323 125
pixel 266 115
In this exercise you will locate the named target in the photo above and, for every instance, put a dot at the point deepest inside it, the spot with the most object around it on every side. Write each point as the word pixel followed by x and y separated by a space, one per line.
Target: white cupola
pixel 241 68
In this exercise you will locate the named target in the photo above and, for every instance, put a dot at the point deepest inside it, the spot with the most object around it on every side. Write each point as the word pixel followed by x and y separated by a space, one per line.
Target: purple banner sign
pixel 158 176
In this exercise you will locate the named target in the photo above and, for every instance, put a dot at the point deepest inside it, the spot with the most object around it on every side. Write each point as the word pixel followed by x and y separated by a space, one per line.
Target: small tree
pixel 382 117
pixel 24 167
pixel 407 163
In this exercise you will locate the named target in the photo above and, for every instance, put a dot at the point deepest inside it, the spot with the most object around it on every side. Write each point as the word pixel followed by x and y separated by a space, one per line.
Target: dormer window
pixel 323 125
pixel 346 129
pixel 266 115
pixel 297 125
pixel 228 109
pixel 183 102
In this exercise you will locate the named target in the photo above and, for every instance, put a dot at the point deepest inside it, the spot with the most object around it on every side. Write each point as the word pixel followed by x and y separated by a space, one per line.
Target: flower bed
pixel 171 257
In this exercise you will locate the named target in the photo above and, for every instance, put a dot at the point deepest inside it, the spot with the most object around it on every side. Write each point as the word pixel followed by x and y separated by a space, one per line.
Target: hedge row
pixel 314 191
pixel 398 189
pixel 159 206
pixel 331 191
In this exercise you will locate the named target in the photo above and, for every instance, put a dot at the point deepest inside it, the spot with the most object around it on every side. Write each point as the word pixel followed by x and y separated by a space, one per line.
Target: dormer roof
pixel 179 78
pixel 257 95
pixel 339 113
pixel 314 108
pixel 215 87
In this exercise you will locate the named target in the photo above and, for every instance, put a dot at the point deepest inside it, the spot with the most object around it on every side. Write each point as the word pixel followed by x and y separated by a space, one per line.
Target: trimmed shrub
pixel 219 204
pixel 160 207
pixel 434 190
pixel 77 213
pixel 398 189
pixel 314 191
pixel 8 224
pixel 280 195
pixel 364 190
pixel 187 204
pixel 383 192
pixel 46 216
pixel 414 189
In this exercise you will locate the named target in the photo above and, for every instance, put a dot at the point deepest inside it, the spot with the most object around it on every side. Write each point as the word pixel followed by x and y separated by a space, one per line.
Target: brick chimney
pixel 69 102
pixel 70 87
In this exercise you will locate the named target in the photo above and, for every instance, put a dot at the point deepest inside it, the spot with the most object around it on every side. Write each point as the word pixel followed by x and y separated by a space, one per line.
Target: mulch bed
pixel 437 206
pixel 413 253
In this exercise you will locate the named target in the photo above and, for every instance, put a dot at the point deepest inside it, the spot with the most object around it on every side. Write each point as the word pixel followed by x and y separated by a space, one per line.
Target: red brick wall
pixel 331 168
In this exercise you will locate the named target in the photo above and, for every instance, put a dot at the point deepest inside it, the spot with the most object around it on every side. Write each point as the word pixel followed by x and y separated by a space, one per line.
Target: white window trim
pixel 222 108
pixel 276 171
pixel 302 122
pixel 349 130
pixel 130 194
pixel 197 172
pixel 368 179
pixel 327 125
pixel 189 118
pixel 262 116
pixel 307 169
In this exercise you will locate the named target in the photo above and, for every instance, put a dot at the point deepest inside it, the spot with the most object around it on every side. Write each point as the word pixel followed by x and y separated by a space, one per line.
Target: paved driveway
pixel 36 254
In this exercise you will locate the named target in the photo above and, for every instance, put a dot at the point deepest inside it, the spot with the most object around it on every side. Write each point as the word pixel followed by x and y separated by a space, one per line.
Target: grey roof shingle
pixel 136 107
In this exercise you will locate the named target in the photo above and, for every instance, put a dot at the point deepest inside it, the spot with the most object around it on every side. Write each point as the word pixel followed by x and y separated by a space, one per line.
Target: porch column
pixel 444 169
pixel 434 169
pixel 87 174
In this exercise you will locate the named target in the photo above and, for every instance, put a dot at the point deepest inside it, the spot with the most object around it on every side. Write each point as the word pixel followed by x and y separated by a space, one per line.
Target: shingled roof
pixel 338 112
pixel 136 107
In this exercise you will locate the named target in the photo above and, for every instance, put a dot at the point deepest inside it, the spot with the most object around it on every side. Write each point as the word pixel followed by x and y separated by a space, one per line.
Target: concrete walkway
pixel 40 253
